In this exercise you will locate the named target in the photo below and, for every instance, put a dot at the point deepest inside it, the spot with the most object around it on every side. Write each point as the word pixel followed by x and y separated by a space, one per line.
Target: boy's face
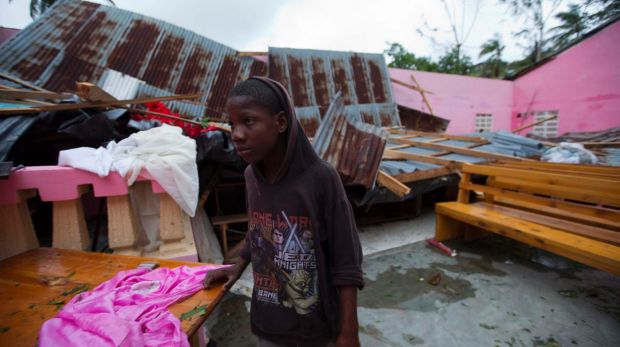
pixel 255 131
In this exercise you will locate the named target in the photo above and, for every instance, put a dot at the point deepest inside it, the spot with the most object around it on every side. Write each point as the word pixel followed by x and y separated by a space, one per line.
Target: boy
pixel 302 239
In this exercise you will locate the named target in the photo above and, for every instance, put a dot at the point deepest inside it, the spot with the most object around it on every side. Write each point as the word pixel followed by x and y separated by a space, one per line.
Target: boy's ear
pixel 281 121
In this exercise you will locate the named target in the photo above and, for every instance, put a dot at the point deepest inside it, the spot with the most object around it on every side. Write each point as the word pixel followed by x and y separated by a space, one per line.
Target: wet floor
pixel 495 292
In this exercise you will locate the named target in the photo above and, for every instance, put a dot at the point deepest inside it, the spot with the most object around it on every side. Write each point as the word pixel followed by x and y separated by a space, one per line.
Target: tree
pixel 573 24
pixel 460 37
pixel 492 50
pixel 37 7
pixel 536 13
pixel 403 59
pixel 604 10
pixel 455 62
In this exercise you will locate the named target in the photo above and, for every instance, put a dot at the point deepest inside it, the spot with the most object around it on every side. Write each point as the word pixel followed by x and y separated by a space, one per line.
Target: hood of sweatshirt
pixel 299 155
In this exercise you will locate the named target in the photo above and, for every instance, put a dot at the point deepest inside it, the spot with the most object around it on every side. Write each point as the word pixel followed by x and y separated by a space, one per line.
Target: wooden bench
pixel 571 214
pixel 33 281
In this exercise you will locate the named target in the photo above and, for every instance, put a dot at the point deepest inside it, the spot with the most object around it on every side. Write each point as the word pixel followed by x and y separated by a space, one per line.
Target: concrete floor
pixel 495 292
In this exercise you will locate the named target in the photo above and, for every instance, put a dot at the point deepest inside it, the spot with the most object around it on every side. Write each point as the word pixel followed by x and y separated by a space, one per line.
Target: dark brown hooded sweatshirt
pixel 302 242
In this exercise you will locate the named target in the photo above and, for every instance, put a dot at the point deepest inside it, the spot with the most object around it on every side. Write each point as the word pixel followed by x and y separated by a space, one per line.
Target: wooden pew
pixel 573 215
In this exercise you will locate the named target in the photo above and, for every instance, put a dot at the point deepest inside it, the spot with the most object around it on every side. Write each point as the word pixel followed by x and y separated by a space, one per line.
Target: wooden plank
pixel 173 219
pixel 463 196
pixel 22 82
pixel 27 94
pixel 394 148
pixel 447 228
pixel 589 231
pixel 444 135
pixel 596 216
pixel 123 227
pixel 407 85
pixel 82 105
pixel 459 150
pixel 17 233
pixel 556 180
pixel 92 93
pixel 69 226
pixel 534 124
pixel 580 194
pixel 423 174
pixel 230 219
pixel 595 253
pixel 26 291
pixel 577 173
pixel 418 157
pixel 392 184
pixel 602 169
pixel 423 93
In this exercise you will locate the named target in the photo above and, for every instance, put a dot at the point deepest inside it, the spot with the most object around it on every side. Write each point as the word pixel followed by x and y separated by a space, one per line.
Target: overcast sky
pixel 347 25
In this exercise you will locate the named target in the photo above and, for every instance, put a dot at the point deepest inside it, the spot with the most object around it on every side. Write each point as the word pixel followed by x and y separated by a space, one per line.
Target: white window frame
pixel 549 128
pixel 484 122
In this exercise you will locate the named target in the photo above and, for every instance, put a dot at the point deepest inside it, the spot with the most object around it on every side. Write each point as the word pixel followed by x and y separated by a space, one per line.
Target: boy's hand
pixel 229 274
pixel 348 340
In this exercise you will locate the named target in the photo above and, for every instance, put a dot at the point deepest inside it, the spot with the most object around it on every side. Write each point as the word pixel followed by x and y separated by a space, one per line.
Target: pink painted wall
pixel 582 83
pixel 457 98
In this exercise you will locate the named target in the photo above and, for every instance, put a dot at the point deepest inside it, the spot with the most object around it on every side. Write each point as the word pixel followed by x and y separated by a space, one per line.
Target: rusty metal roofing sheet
pixel 80 41
pixel 354 148
pixel 313 78
pixel 421 121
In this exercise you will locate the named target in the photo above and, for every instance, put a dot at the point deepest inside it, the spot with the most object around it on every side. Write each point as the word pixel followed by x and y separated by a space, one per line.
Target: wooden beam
pixel 392 184
pixel 22 82
pixel 398 147
pixel 407 85
pixel 577 173
pixel 65 107
pixel 460 150
pixel 424 174
pixel 437 135
pixel 390 154
pixel 92 93
pixel 534 124
pixel 11 94
pixel 423 93
pixel 251 54
pixel 612 170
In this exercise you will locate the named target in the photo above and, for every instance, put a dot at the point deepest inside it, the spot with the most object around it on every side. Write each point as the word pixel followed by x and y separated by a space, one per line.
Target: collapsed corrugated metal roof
pixel 421 121
pixel 313 78
pixel 83 41
pixel 354 148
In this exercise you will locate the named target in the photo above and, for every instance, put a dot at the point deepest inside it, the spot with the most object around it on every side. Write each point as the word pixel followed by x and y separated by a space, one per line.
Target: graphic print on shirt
pixel 284 262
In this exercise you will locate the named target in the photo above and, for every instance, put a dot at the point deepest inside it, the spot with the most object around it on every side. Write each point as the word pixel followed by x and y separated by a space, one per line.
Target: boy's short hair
pixel 260 92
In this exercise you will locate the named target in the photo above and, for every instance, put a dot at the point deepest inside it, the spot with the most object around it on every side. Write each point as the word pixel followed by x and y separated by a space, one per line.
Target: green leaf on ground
pixel 198 310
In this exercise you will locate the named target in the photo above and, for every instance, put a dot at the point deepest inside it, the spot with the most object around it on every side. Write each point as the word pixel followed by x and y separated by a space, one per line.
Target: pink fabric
pixel 127 310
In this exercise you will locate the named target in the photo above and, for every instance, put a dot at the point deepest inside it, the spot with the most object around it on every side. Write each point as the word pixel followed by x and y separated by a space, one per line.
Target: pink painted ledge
pixel 60 183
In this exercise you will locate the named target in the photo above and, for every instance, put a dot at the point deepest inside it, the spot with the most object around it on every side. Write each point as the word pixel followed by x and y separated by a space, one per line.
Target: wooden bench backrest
pixel 583 189
pixel 594 201
pixel 595 171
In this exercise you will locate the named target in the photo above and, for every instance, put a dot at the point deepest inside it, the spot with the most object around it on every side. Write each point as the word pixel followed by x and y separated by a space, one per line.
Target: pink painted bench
pixel 64 187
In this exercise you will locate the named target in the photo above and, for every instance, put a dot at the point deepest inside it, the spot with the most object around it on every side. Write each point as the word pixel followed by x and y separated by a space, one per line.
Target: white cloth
pixel 164 152
pixel 571 153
